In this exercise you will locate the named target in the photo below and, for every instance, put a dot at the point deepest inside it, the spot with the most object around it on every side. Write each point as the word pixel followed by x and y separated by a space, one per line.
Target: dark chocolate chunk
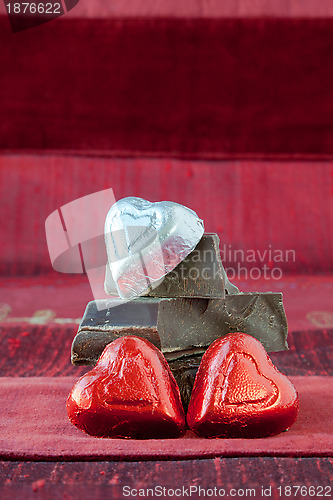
pixel 104 322
pixel 194 323
pixel 184 370
pixel 200 275
pixel 181 327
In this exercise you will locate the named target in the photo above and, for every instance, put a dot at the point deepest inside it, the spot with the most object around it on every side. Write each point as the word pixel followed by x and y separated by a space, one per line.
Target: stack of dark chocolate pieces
pixel 194 305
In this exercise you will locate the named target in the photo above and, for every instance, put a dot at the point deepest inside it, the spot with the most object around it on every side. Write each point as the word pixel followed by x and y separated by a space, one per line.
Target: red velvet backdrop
pixel 198 79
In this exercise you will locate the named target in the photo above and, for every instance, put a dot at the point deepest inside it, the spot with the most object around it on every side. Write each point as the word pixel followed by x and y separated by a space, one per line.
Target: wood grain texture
pixel 100 480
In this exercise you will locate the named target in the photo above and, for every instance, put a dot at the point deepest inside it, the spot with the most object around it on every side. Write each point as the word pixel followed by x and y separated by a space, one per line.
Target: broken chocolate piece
pixel 193 323
pixel 184 370
pixel 181 327
pixel 106 320
pixel 200 275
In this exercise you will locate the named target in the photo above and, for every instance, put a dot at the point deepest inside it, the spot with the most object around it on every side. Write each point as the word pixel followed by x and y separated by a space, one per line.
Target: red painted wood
pixel 76 480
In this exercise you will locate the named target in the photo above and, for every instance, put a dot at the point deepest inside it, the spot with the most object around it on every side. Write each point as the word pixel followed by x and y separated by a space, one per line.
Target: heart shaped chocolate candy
pixel 130 393
pixel 144 242
pixel 238 392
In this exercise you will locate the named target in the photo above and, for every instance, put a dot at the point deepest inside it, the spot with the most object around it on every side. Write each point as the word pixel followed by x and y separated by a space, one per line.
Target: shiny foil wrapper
pixel 144 242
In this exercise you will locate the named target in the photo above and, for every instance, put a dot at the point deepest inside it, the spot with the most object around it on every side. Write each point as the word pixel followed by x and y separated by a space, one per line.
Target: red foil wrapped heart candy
pixel 130 393
pixel 238 392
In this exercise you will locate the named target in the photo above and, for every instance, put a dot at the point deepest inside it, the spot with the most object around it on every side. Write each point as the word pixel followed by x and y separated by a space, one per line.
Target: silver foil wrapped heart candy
pixel 144 242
